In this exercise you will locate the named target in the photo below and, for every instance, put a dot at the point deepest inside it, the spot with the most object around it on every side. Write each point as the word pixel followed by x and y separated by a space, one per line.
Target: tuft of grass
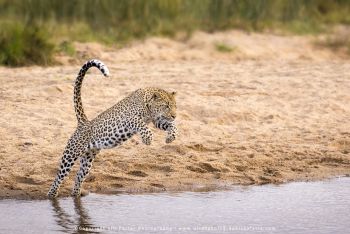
pixel 67 47
pixel 21 45
pixel 221 47
pixel 301 28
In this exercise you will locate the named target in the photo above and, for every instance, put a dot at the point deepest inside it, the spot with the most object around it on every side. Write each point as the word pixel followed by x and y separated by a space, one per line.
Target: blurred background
pixel 32 31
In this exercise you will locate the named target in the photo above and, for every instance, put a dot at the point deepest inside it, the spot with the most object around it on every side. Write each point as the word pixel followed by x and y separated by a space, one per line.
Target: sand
pixel 275 109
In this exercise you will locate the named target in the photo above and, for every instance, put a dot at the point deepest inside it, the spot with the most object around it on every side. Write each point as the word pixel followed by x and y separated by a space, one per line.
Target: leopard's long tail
pixel 78 105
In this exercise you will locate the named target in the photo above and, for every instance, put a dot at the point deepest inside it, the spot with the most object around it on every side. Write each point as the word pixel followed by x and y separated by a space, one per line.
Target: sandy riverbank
pixel 274 109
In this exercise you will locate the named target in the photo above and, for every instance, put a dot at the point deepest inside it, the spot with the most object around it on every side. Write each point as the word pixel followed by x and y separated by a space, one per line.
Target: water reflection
pixel 79 223
pixel 317 207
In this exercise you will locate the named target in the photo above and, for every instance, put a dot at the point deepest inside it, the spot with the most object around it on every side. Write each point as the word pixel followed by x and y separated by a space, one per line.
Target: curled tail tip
pixel 106 72
pixel 101 66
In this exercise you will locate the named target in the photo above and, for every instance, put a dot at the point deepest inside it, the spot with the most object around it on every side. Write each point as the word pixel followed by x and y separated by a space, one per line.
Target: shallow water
pixel 302 207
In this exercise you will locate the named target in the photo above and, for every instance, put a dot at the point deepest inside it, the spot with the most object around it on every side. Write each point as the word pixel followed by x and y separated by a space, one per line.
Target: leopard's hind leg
pixel 75 148
pixel 85 166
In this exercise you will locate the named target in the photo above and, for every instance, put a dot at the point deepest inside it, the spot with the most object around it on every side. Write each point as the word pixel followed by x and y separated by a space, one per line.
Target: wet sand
pixel 274 109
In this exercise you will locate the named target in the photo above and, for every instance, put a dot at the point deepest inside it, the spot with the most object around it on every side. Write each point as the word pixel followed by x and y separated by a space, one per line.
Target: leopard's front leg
pixel 146 134
pixel 171 133
pixel 169 127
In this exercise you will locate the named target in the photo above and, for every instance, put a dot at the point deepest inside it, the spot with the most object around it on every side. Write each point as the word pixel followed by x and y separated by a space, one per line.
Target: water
pixel 303 207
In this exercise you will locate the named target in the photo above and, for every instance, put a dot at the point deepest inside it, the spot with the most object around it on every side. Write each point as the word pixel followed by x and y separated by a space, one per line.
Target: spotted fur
pixel 113 126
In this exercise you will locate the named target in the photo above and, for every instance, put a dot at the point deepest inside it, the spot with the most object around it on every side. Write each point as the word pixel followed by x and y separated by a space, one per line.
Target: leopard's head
pixel 162 105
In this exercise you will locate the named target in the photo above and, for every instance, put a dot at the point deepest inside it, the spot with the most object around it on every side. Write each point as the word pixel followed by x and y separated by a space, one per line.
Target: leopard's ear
pixel 173 93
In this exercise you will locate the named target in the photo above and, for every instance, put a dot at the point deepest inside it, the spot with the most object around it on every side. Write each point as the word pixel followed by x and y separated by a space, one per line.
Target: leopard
pixel 131 115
